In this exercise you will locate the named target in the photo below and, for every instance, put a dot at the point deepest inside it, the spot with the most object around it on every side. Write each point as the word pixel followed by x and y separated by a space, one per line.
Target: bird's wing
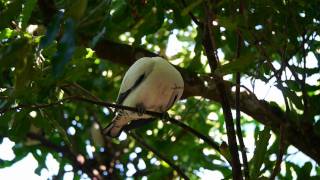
pixel 134 77
pixel 122 95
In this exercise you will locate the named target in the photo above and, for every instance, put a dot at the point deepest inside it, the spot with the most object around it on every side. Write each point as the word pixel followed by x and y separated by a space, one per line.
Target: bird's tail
pixel 112 130
pixel 115 127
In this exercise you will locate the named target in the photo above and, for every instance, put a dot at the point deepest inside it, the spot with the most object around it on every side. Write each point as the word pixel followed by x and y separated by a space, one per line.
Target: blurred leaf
pixel 52 31
pixel 189 8
pixel 20 125
pixel 7 33
pixel 150 23
pixel 61 131
pixel 26 12
pixel 77 9
pixel 66 48
pixel 259 153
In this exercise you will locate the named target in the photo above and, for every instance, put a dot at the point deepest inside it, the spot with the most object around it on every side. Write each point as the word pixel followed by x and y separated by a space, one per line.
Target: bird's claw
pixel 141 109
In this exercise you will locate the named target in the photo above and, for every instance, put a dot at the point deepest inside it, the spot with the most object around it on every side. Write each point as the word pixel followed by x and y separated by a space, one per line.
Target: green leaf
pixel 259 152
pixel 26 12
pixel 9 14
pixel 7 33
pixel 66 48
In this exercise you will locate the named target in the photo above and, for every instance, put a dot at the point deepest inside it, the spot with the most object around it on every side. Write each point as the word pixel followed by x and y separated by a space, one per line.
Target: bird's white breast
pixel 159 89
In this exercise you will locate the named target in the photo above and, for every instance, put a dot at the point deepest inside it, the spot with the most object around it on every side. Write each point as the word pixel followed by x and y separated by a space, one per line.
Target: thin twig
pixel 161 156
pixel 32 106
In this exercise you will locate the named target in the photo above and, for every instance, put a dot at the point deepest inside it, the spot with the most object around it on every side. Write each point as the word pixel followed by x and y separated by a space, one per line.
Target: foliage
pixel 49 54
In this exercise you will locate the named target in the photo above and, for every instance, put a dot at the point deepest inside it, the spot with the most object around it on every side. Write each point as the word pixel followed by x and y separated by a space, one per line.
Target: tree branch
pixel 238 115
pixel 213 60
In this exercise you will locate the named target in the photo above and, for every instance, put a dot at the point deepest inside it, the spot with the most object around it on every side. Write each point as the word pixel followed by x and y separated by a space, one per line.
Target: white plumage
pixel 149 84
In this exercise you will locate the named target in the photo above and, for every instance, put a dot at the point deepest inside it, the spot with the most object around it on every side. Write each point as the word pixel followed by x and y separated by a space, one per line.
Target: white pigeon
pixel 152 84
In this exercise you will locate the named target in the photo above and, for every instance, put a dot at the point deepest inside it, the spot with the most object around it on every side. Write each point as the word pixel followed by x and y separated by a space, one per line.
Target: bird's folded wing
pixel 138 72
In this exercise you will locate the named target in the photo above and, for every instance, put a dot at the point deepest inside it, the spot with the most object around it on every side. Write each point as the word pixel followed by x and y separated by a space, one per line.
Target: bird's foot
pixel 141 109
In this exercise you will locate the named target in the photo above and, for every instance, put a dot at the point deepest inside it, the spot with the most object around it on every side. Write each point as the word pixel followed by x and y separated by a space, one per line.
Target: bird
pixel 152 84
